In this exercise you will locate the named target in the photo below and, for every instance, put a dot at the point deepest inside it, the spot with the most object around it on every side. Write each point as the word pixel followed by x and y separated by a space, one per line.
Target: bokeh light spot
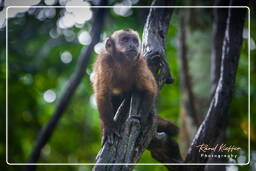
pixel 84 38
pixel 66 57
pixel 49 96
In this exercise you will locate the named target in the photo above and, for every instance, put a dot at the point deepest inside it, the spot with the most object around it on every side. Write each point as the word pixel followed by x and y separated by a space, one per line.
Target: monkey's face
pixel 128 44
pixel 125 42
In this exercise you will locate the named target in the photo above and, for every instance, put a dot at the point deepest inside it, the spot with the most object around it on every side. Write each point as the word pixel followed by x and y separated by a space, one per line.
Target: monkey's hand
pixel 109 135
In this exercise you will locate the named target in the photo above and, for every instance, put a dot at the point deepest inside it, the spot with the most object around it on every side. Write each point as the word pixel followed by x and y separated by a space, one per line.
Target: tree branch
pixel 220 16
pixel 153 39
pixel 219 27
pixel 217 114
pixel 72 84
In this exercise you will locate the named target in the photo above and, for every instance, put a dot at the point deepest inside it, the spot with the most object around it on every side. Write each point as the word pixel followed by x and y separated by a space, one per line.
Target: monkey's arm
pixel 107 114
pixel 105 107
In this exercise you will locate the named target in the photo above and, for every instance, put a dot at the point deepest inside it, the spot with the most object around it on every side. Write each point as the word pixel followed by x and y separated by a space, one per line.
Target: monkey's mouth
pixel 132 53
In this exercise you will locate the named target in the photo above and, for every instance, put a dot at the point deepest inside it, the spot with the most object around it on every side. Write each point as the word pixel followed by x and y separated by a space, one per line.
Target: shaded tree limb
pixel 219 26
pixel 137 134
pixel 217 114
pixel 165 150
pixel 72 84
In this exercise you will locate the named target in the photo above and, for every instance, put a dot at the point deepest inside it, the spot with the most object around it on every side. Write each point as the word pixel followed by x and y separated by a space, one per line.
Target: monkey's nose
pixel 132 46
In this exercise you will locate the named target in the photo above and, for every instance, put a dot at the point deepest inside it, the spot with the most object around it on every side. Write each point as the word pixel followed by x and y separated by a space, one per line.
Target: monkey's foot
pixel 109 138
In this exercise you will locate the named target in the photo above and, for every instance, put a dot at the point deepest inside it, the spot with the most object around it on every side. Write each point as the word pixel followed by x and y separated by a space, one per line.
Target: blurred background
pixel 43 49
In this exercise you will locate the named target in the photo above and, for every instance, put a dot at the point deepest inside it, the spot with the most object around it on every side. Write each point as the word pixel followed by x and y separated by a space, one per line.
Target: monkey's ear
pixel 109 44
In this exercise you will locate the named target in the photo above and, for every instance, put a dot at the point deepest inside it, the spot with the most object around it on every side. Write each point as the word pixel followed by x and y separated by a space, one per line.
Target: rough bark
pixel 217 114
pixel 136 135
pixel 153 39
pixel 72 84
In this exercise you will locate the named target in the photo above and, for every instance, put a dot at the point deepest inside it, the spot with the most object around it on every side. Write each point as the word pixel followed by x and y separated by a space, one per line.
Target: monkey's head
pixel 125 42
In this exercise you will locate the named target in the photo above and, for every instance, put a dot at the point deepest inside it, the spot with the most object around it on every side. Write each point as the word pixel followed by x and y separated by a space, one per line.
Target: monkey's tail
pixel 166 126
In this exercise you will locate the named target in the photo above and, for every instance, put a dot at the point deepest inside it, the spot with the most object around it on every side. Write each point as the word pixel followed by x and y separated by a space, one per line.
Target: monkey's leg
pixel 107 114
pixel 147 102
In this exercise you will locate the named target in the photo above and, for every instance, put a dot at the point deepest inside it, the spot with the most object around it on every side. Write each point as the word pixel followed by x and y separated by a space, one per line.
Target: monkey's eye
pixel 125 39
pixel 135 41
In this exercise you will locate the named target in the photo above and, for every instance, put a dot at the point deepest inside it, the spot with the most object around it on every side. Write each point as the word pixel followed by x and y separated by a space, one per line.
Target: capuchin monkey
pixel 118 71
